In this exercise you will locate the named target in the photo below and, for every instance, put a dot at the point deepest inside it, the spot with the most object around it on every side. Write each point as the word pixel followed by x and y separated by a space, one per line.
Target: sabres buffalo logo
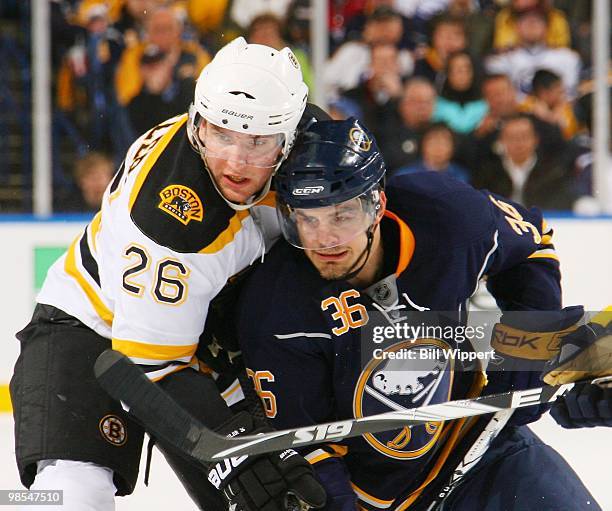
pixel 406 375
pixel 359 138
pixel 181 203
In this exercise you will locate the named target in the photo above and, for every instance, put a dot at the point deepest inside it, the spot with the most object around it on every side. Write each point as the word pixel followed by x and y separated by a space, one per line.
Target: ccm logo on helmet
pixel 236 114
pixel 308 190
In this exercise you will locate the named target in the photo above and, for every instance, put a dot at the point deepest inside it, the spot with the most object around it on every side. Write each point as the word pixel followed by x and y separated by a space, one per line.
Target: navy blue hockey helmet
pixel 331 164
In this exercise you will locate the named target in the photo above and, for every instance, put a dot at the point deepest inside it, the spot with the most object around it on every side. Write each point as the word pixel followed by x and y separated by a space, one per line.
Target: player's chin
pixel 236 196
pixel 331 271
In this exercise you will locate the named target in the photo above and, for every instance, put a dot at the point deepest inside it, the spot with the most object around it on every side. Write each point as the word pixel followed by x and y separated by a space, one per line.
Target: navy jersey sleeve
pixel 471 233
pixel 523 273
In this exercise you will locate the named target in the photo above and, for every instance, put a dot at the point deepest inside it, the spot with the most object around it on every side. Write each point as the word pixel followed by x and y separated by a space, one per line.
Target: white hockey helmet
pixel 251 89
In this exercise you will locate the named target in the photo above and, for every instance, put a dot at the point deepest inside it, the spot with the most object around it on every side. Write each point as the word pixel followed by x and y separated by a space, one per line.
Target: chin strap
pixel 354 270
pixel 365 254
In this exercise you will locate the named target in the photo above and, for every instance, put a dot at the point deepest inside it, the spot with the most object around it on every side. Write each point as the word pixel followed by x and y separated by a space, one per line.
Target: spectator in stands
pixel 532 53
pixel 502 100
pixel 501 97
pixel 113 7
pixel 382 84
pixel 548 103
pixel 411 37
pixel 522 173
pixel 424 10
pixel 163 28
pixel 448 36
pixel 506 25
pixel 131 22
pixel 85 85
pixel 66 31
pixel 163 94
pixel 92 173
pixel 437 150
pixel 243 12
pixel 349 64
pixel 298 24
pixel 460 103
pixel 478 25
pixel 580 16
pixel 340 14
pixel 212 22
pixel 404 125
pixel 583 157
pixel 267 29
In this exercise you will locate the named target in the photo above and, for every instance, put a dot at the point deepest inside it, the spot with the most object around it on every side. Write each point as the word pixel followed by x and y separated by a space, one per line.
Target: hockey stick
pixel 163 417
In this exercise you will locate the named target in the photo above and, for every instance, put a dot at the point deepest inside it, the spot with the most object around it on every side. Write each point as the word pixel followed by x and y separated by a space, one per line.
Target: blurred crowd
pixel 497 93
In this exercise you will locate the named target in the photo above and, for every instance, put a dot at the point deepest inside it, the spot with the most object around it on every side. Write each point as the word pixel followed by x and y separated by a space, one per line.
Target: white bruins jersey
pixel 164 244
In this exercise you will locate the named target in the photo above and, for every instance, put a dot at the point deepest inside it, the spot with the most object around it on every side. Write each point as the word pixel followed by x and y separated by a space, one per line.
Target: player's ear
pixel 382 207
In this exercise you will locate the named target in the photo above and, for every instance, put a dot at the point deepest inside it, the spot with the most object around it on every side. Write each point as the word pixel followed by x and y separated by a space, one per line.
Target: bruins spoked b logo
pixel 113 430
pixel 182 203
pixel 406 375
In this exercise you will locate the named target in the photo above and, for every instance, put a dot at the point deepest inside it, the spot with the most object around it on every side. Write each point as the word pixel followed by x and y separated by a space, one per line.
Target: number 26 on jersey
pixel 170 282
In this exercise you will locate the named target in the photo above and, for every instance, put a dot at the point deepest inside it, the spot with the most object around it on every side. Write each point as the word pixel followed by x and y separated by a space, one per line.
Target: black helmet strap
pixel 365 254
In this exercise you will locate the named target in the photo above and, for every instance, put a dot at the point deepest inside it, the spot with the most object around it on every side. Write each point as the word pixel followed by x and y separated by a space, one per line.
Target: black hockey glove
pixel 280 481
pixel 585 406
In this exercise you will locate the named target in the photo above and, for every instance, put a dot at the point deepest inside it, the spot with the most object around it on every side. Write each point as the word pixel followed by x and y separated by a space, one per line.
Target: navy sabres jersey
pixel 302 337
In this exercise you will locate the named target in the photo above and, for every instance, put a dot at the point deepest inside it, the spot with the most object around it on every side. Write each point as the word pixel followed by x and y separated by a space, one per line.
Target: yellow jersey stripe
pixel 370 499
pixel 321 454
pixel 5 399
pixel 544 255
pixel 340 450
pixel 315 459
pixel 152 158
pixel 546 234
pixel 94 228
pixel 268 200
pixel 170 370
pixel 231 390
pixel 546 239
pixel 161 352
pixel 70 267
pixel 227 236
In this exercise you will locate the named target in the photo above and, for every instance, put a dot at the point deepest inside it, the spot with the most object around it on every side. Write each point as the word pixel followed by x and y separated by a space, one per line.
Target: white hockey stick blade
pixel 164 418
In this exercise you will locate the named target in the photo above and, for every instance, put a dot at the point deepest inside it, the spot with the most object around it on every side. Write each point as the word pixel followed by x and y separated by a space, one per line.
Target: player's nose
pixel 327 237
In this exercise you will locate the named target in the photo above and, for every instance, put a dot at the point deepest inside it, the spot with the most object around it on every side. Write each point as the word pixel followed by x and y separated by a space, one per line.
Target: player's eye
pixel 222 137
pixel 344 218
pixel 308 221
